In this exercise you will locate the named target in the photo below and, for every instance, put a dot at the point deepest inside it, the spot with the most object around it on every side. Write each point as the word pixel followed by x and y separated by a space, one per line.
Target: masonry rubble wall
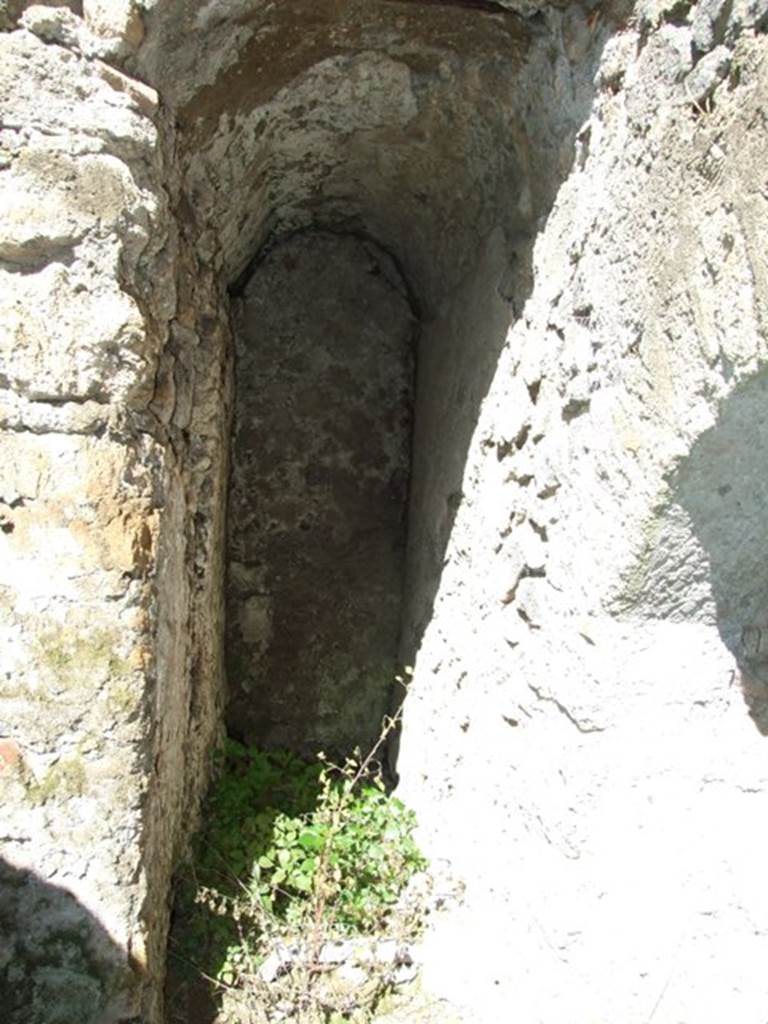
pixel 320 462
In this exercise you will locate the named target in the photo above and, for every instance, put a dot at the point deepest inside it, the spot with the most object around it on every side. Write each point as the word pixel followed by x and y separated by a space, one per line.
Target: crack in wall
pixel 573 719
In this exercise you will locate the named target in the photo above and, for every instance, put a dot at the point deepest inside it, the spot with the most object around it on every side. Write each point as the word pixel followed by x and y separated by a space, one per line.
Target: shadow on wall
pixel 460 347
pixel 723 487
pixel 58 964
pixel 319 462
pixel 458 355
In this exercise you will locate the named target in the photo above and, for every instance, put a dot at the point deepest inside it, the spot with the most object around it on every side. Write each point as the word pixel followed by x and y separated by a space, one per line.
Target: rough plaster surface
pixel 395 120
pixel 319 479
pixel 584 736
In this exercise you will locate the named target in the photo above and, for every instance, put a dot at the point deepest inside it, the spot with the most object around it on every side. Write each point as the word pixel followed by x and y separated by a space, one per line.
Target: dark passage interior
pixel 364 180
pixel 375 210
pixel 350 163
pixel 320 461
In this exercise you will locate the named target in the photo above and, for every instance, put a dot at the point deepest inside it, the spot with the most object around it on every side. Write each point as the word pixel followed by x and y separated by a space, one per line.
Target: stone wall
pixel 585 735
pixel 113 409
pixel 321 453
pixel 576 199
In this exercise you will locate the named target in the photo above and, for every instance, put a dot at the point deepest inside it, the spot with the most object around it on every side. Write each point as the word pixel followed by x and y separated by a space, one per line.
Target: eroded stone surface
pixel 397 120
pixel 110 625
pixel 595 652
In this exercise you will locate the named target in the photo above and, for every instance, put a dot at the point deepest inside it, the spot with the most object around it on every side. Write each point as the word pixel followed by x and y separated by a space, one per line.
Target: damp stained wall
pixel 320 462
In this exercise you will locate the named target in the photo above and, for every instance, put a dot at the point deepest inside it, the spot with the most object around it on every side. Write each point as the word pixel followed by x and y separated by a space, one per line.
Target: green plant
pixel 293 854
